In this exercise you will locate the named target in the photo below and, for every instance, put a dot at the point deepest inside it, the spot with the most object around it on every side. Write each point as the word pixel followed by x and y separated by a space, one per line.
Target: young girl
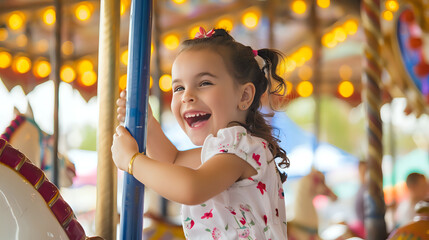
pixel 231 187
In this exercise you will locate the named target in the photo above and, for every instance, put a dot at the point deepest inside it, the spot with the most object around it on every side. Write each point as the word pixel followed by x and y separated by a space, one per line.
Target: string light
pixel 16 20
pixel 392 5
pixel 123 82
pixel 88 78
pixel 323 3
pixel 3 34
pixel 42 68
pixel 225 23
pixel 48 16
pixel 21 64
pixel 350 26
pixel 299 7
pixel 84 65
pixel 250 19
pixel 124 57
pixel 171 41
pixel 67 47
pixel 83 11
pixel 387 15
pixel 289 87
pixel 179 2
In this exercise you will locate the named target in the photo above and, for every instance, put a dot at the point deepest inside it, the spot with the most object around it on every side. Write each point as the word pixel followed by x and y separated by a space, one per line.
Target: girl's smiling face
pixel 206 97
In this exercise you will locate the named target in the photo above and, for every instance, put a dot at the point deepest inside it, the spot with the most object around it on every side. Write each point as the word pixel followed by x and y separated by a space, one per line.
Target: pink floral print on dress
pixel 262 187
pixel 256 157
pixel 216 234
pixel 208 215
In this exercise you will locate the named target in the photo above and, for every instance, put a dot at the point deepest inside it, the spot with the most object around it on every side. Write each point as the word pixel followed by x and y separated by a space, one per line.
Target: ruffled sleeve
pixel 236 140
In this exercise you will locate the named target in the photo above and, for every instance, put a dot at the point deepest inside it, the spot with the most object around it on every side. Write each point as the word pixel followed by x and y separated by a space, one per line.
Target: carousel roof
pixel 27 40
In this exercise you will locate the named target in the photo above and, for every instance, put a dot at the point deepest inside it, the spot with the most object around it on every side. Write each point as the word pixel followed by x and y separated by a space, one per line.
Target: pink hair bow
pixel 203 34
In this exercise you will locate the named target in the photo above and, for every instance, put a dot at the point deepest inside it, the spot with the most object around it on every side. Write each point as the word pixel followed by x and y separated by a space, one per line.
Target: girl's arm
pixel 178 183
pixel 158 146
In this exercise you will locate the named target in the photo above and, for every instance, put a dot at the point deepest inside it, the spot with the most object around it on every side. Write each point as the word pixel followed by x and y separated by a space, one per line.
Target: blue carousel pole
pixel 131 223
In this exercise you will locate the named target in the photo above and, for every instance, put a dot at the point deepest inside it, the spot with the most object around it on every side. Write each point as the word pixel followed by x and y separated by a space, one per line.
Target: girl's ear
pixel 247 95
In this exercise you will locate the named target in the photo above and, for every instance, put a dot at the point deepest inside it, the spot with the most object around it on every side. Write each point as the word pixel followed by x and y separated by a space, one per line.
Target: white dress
pixel 252 208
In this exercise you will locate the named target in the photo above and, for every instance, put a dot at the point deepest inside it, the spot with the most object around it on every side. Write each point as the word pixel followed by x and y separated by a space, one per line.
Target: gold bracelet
pixel 130 164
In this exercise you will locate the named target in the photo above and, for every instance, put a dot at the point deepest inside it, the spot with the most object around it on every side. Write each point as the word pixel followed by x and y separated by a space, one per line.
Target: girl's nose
pixel 188 97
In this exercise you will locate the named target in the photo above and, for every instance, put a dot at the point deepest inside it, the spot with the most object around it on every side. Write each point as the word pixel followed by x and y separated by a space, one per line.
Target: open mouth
pixel 195 119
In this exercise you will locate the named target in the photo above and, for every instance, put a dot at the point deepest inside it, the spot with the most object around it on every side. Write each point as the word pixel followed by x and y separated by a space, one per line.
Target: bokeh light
pixel 48 16
pixel 387 15
pixel 392 5
pixel 165 83
pixel 305 73
pixel 42 68
pixel 67 48
pixel 83 11
pixel 339 34
pixel 328 40
pixel 16 20
pixel 171 41
pixel 346 72
pixel 250 19
pixel 5 59
pixel 304 88
pixel 323 3
pixel 88 78
pixel 123 82
pixel 67 74
pixel 289 87
pixel 299 6
pixel 179 1
pixel 21 64
pixel 345 89
pixel 84 65
pixel 351 26
pixel 124 57
pixel 225 23
pixel 3 34
pixel 21 40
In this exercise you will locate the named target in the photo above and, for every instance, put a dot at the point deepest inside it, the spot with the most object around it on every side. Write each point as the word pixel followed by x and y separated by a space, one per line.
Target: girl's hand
pixel 123 148
pixel 122 103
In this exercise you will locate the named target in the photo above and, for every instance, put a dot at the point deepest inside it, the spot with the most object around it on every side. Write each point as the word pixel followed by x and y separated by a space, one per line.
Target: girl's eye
pixel 176 89
pixel 205 83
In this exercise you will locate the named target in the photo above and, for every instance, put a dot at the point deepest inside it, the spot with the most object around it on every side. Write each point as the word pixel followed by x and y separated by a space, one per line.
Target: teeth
pixel 189 115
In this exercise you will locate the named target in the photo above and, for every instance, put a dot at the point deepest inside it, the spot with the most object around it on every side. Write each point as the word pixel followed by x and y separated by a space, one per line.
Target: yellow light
pixel 124 57
pixel 165 83
pixel 42 69
pixel 83 11
pixel 171 41
pixel 67 74
pixel 306 52
pixel 350 26
pixel 250 19
pixel 3 34
pixel 345 89
pixel 323 3
pixel 290 65
pixel 88 78
pixel 151 49
pixel 22 64
pixel 194 31
pixel 298 58
pixel 67 48
pixel 289 87
pixel 123 82
pixel 340 34
pixel 84 65
pixel 21 40
pixel 387 15
pixel 179 1
pixel 16 20
pixel 281 68
pixel 299 7
pixel 328 40
pixel 5 59
pixel 48 16
pixel 225 24
pixel 305 73
pixel 150 82
pixel 346 72
pixel 392 5
pixel 304 88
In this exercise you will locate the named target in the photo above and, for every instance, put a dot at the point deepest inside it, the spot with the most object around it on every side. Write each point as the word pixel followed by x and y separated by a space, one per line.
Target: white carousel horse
pixel 31 206
pixel 305 224
pixel 24 134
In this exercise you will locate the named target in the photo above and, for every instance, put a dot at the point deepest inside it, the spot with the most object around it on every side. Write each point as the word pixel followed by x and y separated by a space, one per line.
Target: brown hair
pixel 240 61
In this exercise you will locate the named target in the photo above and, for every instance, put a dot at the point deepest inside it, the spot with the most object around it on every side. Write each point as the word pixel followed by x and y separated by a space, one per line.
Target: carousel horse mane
pixel 19 134
pixel 16 161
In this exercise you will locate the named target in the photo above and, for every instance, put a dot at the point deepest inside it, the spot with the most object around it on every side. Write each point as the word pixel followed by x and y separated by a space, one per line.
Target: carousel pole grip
pixel 139 46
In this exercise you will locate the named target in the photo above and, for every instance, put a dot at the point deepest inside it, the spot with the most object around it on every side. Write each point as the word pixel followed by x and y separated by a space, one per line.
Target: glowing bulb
pixel 345 89
pixel 124 57
pixel 171 41
pixel 5 59
pixel 299 7
pixel 346 72
pixel 48 16
pixel 306 52
pixel 3 34
pixel 84 66
pixel 83 11
pixel 150 82
pixel 250 19
pixel 165 83
pixel 340 34
pixel 123 82
pixel 16 20
pixel 388 15
pixel 290 65
pixel 328 40
pixel 305 73
pixel 21 40
pixel 179 1
pixel 88 78
pixel 323 3
pixel 67 74
pixel 350 26
pixel 289 87
pixel 304 89
pixel 42 68
pixel 225 24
